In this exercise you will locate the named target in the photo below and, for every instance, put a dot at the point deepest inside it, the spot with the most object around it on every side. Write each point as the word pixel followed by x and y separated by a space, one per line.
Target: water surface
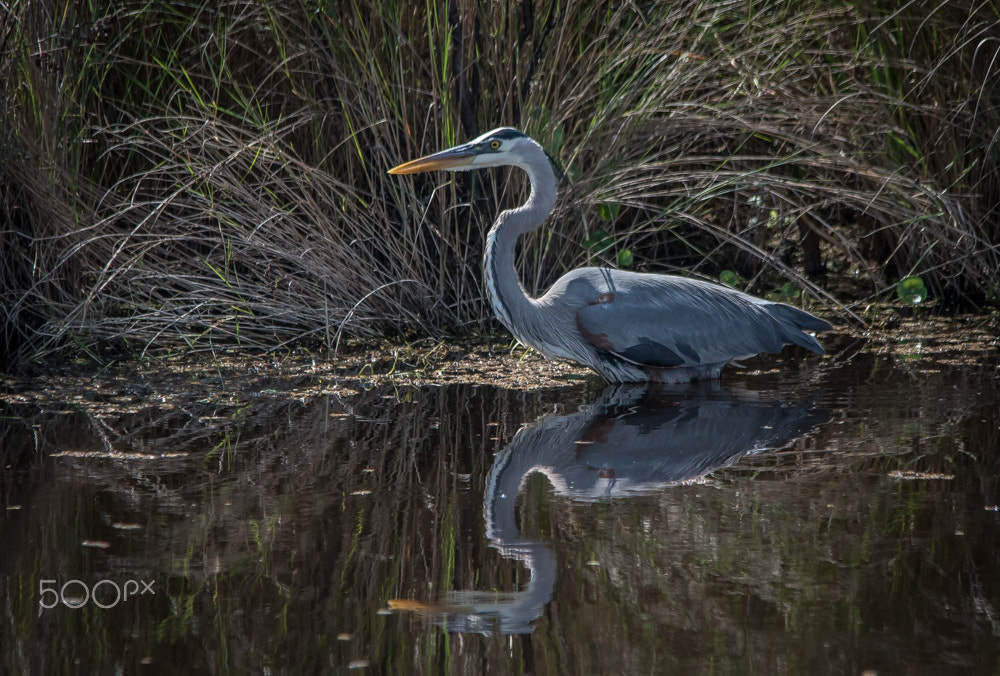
pixel 822 516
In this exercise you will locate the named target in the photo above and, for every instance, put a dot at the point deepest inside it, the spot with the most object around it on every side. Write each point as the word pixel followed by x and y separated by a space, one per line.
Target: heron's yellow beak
pixel 454 158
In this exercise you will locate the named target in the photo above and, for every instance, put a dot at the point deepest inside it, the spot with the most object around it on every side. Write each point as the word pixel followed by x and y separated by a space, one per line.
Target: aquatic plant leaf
pixel 789 292
pixel 911 290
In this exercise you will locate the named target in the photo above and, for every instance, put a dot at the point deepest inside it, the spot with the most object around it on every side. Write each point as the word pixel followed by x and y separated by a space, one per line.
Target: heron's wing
pixel 665 321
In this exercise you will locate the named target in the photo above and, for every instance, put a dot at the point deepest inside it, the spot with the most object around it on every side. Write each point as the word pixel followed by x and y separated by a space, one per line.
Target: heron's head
pixel 500 147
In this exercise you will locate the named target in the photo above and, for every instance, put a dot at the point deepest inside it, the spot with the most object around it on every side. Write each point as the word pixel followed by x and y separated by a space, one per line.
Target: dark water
pixel 820 518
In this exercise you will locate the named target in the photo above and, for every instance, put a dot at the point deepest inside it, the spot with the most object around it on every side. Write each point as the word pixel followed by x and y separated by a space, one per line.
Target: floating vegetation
pixel 911 290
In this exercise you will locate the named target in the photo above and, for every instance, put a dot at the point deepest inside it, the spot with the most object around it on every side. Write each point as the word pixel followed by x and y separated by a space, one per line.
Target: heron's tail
pixel 796 322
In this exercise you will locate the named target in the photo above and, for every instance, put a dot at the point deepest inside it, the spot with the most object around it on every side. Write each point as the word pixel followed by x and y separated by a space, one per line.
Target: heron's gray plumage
pixel 627 326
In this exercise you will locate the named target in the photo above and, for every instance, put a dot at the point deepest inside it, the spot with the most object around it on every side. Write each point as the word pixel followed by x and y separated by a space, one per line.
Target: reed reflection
pixel 632 440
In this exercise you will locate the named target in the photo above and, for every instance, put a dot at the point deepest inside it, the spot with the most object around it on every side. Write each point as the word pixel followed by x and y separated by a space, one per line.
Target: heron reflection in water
pixel 630 441
pixel 626 326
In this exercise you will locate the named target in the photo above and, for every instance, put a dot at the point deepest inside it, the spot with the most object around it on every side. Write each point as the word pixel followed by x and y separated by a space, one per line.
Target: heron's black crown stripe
pixel 506 134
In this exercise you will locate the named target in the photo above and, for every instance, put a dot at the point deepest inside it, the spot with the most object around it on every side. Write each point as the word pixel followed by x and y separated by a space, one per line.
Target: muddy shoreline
pixel 236 377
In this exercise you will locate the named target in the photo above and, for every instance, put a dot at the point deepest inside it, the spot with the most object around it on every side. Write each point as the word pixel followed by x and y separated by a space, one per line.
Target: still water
pixel 818 517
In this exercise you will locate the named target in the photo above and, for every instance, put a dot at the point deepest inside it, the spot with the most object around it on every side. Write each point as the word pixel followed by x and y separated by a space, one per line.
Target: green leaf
pixel 788 292
pixel 625 258
pixel 608 211
pixel 911 290
pixel 729 278
pixel 598 242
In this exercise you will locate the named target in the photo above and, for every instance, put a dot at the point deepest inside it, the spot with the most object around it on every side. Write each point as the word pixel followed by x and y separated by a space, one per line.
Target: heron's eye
pixel 494 144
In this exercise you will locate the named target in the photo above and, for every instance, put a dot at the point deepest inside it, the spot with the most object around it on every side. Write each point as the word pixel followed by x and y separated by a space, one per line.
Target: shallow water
pixel 823 516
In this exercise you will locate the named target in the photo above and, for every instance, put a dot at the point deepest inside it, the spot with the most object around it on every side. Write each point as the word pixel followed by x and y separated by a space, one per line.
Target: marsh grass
pixel 180 176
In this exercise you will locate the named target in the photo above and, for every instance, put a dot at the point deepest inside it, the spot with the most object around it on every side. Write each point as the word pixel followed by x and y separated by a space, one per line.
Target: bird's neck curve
pixel 513 307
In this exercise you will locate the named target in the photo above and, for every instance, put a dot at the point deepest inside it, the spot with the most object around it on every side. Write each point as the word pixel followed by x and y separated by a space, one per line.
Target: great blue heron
pixel 627 326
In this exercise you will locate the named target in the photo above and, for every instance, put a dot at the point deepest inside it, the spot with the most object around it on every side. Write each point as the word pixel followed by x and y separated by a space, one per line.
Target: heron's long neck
pixel 512 306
